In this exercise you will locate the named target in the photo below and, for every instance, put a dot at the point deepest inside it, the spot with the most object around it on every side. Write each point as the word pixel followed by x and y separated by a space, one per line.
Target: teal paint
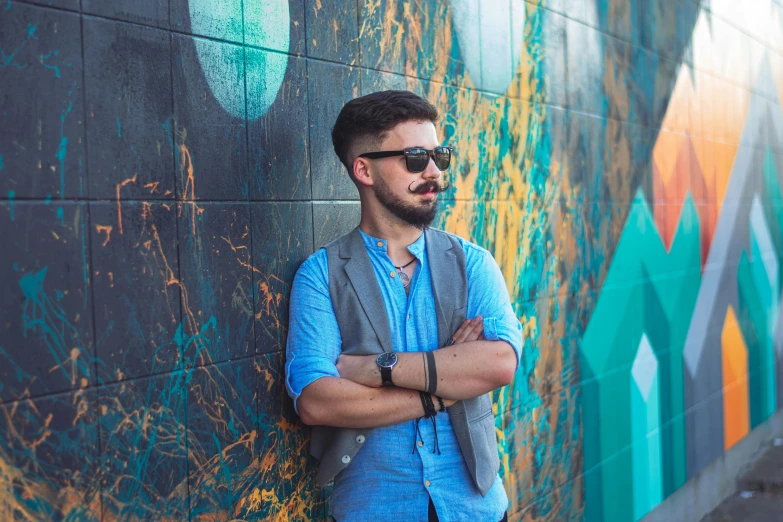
pixel 55 68
pixel 11 196
pixel 60 215
pixel 7 59
pixel 119 129
pixel 267 25
pixel 646 432
pixel 1 163
pixel 44 318
pixel 490 45
pixel 265 74
pixel 168 133
pixel 62 150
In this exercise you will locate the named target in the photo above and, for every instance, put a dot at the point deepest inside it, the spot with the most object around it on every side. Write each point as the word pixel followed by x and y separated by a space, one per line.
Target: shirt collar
pixel 373 243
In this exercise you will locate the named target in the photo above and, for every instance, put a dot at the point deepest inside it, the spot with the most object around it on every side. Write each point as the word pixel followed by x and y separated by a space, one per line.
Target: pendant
pixel 406 280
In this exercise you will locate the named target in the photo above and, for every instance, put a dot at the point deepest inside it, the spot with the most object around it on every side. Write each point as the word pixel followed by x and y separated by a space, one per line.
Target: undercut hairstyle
pixel 364 122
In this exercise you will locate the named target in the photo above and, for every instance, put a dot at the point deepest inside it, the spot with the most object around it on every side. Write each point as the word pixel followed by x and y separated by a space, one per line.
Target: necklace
pixel 404 277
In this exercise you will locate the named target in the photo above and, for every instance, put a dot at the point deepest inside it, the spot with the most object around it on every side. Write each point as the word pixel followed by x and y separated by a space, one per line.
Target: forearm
pixel 464 370
pixel 333 401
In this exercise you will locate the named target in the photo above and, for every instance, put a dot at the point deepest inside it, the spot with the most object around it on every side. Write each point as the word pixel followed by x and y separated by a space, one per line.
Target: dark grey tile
pixel 277 126
pixel 46 328
pixel 42 149
pixel 137 295
pixel 145 12
pixel 374 81
pixel 143 448
pixel 282 239
pixel 331 86
pixel 129 103
pixel 333 30
pixel 334 219
pixel 214 245
pixel 72 5
pixel 209 112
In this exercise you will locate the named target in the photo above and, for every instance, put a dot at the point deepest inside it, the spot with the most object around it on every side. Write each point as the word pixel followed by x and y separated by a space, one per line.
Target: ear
pixel 361 172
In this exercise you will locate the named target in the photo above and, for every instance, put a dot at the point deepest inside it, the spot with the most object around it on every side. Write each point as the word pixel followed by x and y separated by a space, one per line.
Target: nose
pixel 432 172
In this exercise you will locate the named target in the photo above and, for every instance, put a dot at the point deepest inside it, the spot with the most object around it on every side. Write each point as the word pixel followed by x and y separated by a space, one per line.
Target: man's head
pixel 391 121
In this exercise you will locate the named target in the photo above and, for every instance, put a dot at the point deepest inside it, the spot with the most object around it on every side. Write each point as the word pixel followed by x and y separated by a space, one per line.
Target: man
pixel 381 359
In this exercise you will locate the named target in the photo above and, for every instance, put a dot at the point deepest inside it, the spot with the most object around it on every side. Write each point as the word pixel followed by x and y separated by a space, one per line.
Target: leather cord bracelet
pixel 427 404
pixel 440 402
pixel 429 413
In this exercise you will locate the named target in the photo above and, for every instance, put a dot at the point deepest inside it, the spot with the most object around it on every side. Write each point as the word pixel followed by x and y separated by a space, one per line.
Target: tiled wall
pixel 165 165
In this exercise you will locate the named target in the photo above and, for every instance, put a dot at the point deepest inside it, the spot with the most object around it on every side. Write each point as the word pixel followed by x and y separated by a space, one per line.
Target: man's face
pixel 408 195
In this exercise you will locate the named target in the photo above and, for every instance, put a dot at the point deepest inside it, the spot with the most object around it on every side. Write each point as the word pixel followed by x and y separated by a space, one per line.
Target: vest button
pixel 427 483
pixel 360 439
pixel 346 459
pixel 380 243
pixel 393 274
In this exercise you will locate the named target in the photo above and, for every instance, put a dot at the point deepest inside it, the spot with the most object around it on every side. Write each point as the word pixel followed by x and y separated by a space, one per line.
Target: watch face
pixel 387 360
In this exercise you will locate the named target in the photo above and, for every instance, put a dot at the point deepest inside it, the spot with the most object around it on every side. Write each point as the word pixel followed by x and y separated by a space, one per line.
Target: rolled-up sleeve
pixel 488 297
pixel 313 345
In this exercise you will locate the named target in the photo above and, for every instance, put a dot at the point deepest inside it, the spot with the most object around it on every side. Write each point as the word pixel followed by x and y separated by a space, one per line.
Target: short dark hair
pixel 368 118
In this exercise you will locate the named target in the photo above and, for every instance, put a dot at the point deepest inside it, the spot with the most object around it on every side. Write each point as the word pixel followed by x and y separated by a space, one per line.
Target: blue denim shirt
pixel 392 476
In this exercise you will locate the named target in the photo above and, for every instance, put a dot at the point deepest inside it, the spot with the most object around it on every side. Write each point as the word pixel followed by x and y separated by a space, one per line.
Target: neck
pixel 397 233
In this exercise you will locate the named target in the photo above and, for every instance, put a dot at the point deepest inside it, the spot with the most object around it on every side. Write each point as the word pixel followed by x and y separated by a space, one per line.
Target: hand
pixel 470 330
pixel 361 369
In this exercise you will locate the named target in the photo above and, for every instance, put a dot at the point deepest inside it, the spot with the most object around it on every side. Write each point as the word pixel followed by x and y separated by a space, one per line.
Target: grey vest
pixel 364 327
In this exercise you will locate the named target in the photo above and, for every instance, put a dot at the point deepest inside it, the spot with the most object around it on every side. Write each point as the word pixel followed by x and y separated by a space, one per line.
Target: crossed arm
pixel 469 368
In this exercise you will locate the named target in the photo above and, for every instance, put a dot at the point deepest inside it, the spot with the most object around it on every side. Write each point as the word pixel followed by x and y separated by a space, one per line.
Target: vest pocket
pixel 481 417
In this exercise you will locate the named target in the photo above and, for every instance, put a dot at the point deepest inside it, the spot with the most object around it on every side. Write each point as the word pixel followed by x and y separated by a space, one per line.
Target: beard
pixel 419 216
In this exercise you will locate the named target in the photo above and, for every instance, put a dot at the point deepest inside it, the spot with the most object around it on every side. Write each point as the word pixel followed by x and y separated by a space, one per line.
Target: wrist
pixel 384 364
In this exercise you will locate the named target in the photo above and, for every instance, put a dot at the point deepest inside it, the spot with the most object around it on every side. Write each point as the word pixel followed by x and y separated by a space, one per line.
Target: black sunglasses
pixel 416 158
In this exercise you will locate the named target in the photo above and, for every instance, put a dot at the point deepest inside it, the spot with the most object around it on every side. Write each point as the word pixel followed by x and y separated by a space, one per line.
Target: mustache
pixel 428 186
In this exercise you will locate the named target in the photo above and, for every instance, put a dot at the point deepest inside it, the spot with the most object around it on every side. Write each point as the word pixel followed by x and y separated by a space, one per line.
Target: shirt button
pixel 380 243
pixel 393 274
pixel 360 439
pixel 346 459
pixel 427 483
pixel 420 445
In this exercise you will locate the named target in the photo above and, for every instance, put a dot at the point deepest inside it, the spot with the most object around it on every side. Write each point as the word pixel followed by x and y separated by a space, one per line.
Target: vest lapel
pixel 360 272
pixel 443 271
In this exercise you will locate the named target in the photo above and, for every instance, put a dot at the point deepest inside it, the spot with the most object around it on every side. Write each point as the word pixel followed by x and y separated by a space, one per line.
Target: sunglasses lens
pixel 442 158
pixel 417 160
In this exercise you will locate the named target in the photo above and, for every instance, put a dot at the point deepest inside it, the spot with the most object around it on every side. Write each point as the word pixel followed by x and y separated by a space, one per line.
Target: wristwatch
pixel 386 362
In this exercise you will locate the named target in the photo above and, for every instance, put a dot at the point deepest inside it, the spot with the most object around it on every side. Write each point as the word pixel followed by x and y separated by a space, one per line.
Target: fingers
pixel 477 331
pixel 460 333
pixel 469 330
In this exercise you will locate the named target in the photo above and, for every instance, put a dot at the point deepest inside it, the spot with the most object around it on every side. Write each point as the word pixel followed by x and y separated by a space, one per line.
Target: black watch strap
pixel 386 377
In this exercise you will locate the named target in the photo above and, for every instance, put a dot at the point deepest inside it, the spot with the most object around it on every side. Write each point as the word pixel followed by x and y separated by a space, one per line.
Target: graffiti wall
pixel 165 165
